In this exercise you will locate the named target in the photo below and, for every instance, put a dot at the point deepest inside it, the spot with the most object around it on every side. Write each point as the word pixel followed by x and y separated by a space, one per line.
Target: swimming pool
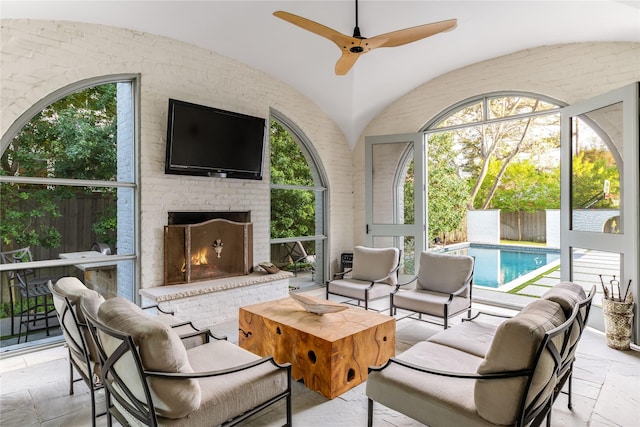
pixel 497 265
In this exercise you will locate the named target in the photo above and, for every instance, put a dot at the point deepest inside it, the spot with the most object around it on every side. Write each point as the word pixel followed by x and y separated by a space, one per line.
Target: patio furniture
pixel 150 378
pixel 35 302
pixel 443 287
pixel 297 254
pixel 82 352
pixel 373 275
pixel 570 295
pixel 480 373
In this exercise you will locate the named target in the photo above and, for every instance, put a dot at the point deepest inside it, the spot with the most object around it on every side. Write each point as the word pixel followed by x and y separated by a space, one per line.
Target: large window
pixel 507 149
pixel 68 184
pixel 297 204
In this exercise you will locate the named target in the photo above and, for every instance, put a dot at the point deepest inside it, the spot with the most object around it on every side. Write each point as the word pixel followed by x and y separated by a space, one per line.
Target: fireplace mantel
pixel 172 292
pixel 211 302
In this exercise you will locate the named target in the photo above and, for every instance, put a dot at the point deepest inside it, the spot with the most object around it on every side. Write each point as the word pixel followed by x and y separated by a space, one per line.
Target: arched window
pixel 298 194
pixel 68 184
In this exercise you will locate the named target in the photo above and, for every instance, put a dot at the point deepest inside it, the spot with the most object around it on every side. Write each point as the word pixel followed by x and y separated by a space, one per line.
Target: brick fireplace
pixel 209 300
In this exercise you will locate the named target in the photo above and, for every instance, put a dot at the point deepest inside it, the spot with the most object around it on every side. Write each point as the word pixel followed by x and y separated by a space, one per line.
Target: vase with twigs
pixel 617 307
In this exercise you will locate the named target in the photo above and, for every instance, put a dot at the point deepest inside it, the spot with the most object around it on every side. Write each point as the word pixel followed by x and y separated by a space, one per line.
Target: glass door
pixel 395 175
pixel 599 196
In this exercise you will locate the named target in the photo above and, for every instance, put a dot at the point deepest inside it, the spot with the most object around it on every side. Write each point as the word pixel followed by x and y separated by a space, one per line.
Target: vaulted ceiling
pixel 248 32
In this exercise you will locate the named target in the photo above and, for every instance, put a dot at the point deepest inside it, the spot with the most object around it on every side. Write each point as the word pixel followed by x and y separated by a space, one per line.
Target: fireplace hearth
pixel 212 249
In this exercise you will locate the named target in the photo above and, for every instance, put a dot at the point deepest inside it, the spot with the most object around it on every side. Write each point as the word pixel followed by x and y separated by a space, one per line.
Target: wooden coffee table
pixel 331 353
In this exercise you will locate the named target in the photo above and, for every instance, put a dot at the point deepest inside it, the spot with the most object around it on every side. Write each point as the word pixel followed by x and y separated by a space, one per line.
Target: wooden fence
pixel 524 226
pixel 75 225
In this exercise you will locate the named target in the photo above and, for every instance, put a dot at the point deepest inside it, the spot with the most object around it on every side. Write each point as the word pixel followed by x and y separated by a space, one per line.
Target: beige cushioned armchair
pixel 150 378
pixel 442 287
pixel 373 275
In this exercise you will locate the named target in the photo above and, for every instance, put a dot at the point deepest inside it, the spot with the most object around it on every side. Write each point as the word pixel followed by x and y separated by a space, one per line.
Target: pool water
pixel 498 265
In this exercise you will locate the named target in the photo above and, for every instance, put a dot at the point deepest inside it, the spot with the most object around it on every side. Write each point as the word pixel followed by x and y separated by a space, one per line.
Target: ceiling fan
pixel 354 46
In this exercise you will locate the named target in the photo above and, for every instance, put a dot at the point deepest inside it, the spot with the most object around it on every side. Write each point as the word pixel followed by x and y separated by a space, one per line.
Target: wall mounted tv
pixel 207 141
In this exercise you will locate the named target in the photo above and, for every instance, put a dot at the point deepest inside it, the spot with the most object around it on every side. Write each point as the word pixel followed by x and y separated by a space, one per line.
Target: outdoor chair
pixel 570 295
pixel 151 379
pixel 462 378
pixel 373 275
pixel 83 354
pixel 442 287
pixel 297 254
pixel 35 303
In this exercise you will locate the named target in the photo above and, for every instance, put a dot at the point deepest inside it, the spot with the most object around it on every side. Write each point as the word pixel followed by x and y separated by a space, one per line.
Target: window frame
pixel 319 176
pixel 36 108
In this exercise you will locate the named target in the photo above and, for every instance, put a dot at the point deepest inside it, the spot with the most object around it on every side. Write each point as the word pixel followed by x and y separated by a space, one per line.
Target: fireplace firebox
pixel 212 249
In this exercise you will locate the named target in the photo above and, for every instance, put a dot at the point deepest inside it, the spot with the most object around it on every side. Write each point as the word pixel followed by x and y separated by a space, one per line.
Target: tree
pixel 292 210
pixel 73 138
pixel 590 169
pixel 527 188
pixel 447 192
pixel 502 140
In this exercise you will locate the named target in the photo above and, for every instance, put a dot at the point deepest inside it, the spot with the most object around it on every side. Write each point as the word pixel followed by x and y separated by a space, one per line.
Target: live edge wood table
pixel 331 353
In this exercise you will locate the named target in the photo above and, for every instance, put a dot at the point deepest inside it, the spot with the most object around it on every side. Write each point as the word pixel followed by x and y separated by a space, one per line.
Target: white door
pixel 599 221
pixel 395 176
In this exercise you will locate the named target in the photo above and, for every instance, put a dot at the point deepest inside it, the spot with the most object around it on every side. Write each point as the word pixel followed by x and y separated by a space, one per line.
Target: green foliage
pixel 73 138
pixel 447 191
pixel 288 164
pixel 106 224
pixel 292 210
pixel 523 187
pixel 590 169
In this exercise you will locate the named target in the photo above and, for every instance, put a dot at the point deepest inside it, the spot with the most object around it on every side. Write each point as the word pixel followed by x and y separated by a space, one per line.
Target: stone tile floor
pixel 34 389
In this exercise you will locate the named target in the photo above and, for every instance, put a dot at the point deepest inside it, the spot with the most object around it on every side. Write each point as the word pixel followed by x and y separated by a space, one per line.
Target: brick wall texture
pixel 41 57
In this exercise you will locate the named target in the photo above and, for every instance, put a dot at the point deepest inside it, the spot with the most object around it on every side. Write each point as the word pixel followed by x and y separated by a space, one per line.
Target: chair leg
pixel 446 316
pixel 570 388
pixel 93 406
pixel 70 375
pixel 288 404
pixel 45 307
pixel 370 413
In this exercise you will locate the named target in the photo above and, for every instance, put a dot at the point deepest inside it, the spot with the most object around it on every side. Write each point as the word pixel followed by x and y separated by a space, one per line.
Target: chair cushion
pixel 567 294
pixel 355 289
pixel 373 264
pixel 227 396
pixel 70 287
pixel 75 291
pixel 428 302
pixel 472 337
pixel 431 399
pixel 444 273
pixel 514 347
pixel 160 350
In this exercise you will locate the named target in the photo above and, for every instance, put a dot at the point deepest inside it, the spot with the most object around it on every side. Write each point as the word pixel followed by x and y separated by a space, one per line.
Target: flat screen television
pixel 206 141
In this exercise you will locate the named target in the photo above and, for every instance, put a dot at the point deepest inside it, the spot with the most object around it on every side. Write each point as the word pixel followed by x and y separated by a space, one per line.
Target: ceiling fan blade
pixel 409 35
pixel 309 25
pixel 345 62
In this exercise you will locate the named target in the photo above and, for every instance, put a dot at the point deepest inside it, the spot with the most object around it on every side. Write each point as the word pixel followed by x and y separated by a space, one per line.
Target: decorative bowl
pixel 317 305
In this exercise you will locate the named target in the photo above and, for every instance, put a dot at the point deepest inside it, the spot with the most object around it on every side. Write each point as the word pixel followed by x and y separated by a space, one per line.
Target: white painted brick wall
pixel 40 57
